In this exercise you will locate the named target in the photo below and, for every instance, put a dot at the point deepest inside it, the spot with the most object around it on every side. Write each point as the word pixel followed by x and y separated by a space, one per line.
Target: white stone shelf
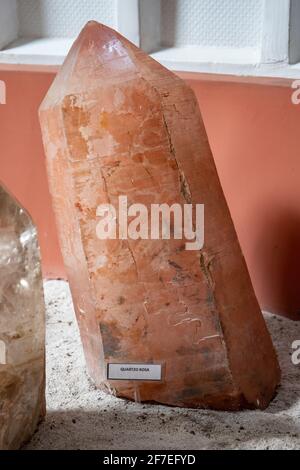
pixel 45 52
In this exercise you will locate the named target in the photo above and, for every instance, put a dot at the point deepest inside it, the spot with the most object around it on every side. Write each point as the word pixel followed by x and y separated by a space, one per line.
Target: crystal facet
pixel 115 122
pixel 22 337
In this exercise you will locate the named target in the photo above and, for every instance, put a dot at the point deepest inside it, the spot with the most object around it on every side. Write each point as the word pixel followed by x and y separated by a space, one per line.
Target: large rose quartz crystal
pixel 117 123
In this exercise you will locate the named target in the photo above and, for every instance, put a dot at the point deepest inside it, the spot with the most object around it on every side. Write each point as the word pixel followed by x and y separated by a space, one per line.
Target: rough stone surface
pixel 22 336
pixel 115 123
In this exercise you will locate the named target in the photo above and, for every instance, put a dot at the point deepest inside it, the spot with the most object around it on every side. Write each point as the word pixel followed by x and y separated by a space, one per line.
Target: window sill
pixel 44 52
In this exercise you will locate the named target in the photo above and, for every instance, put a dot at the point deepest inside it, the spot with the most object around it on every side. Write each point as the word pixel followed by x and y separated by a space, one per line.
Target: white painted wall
pixel 223 23
pixel 128 20
pixel 240 37
pixel 275 37
pixel 63 18
pixel 8 22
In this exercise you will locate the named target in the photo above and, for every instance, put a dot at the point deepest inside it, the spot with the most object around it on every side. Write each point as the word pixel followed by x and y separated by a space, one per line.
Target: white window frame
pixel 279 55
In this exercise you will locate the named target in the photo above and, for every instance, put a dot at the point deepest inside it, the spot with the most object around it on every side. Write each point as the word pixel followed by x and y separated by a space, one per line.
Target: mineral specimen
pixel 158 322
pixel 22 368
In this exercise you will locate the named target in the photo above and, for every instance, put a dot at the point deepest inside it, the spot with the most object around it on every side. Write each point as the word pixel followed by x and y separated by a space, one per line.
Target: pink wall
pixel 254 135
pixel 22 163
pixel 253 131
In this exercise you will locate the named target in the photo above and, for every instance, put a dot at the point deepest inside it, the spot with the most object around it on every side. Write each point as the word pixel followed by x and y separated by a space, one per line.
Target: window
pixel 242 37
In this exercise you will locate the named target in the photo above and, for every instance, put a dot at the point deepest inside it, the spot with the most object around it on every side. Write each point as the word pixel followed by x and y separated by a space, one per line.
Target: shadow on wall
pixel 168 23
pixel 37 16
pixel 278 262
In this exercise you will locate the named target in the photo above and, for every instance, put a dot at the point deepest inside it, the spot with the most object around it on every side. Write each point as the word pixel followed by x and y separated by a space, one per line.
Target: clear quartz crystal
pixel 22 326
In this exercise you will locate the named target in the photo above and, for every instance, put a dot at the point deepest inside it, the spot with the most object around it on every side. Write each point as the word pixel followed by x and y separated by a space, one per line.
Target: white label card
pixel 134 372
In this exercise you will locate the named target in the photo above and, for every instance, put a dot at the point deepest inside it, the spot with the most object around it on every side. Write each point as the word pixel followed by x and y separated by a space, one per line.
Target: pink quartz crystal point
pixel 115 122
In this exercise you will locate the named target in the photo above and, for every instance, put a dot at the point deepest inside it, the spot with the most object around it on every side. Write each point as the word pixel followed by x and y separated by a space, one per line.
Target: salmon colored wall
pixel 22 162
pixel 254 134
